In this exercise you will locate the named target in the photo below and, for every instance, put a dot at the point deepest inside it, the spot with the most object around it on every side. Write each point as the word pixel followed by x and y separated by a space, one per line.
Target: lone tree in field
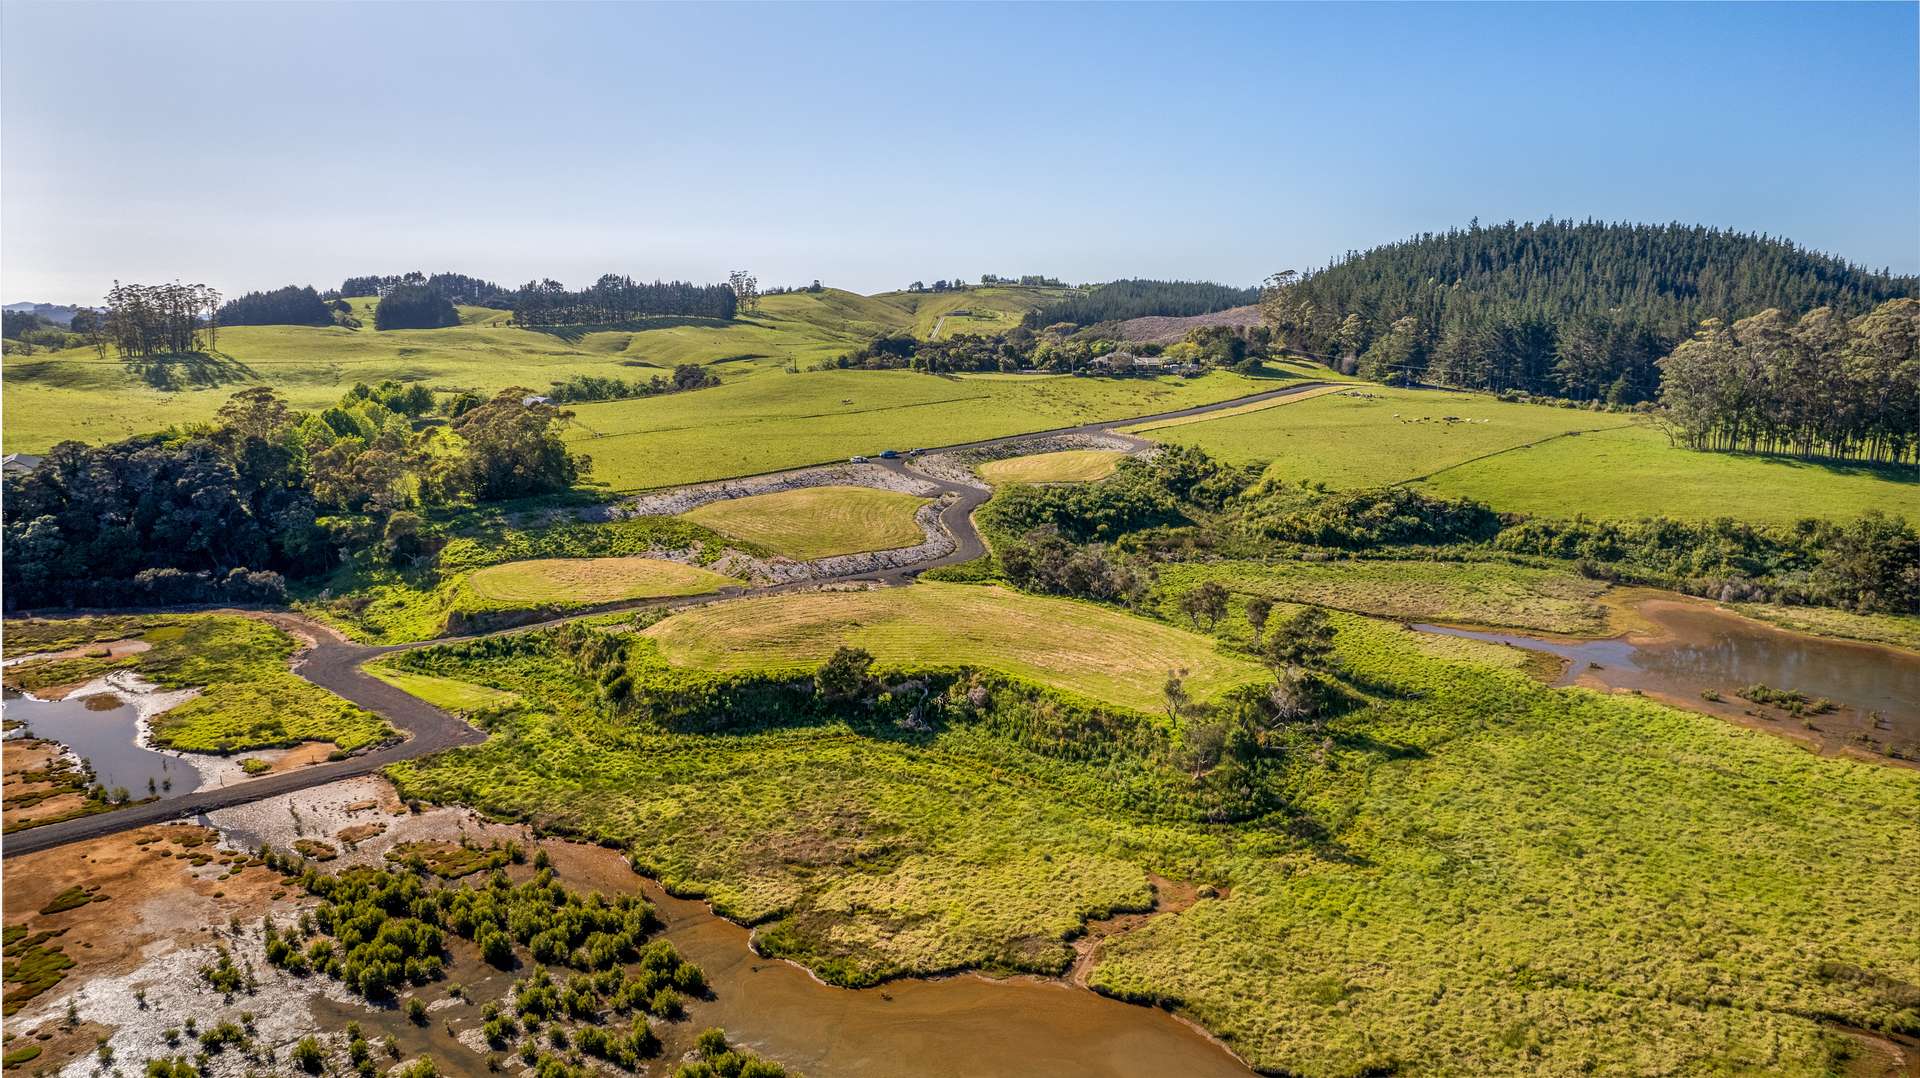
pixel 1259 609
pixel 513 449
pixel 844 676
pixel 1304 640
pixel 747 288
pixel 1208 601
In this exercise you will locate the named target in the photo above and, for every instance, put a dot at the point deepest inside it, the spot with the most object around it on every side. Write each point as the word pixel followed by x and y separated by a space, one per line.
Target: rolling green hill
pixel 77 393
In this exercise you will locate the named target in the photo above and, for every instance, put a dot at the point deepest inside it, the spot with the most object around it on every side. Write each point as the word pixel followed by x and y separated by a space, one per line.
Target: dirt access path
pixel 333 662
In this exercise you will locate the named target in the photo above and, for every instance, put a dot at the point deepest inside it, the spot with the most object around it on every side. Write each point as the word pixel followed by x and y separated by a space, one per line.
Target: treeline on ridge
pixel 456 287
pixel 289 306
pixel 1117 301
pixel 1576 310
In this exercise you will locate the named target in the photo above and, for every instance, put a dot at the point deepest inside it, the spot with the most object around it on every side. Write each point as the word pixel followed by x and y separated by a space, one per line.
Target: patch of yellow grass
pixel 1074 646
pixel 1066 466
pixel 1257 406
pixel 586 581
pixel 817 522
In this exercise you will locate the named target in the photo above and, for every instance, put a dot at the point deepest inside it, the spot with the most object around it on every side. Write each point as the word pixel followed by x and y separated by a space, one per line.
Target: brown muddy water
pixel 103 731
pixel 1695 651
pixel 951 1027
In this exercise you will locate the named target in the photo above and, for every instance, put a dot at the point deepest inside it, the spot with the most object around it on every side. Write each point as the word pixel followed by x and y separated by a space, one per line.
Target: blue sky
pixel 253 145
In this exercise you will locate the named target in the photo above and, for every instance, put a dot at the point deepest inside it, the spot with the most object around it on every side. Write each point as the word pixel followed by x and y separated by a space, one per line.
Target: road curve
pixel 333 662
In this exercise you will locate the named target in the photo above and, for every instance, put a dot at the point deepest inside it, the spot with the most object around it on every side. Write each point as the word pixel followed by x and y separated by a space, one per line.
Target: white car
pixel 856 460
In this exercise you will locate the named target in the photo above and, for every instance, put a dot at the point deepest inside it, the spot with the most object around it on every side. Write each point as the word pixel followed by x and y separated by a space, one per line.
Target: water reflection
pixel 1697 652
pixel 104 731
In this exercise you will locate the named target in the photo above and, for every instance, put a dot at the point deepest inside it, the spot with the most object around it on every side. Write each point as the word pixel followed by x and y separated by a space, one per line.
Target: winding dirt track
pixel 333 662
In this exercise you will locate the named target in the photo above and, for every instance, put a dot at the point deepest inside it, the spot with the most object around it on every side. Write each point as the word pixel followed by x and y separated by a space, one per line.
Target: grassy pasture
pixel 77 394
pixel 1534 458
pixel 1633 472
pixel 586 581
pixel 786 421
pixel 1066 466
pixel 1246 409
pixel 1090 650
pixel 817 522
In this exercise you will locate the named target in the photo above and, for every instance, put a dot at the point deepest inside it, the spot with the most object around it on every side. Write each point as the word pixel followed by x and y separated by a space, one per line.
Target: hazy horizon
pixel 870 147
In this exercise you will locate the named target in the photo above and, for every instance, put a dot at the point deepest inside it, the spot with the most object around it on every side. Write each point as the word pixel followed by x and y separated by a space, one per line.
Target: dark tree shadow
pixel 188 370
pixel 1891 473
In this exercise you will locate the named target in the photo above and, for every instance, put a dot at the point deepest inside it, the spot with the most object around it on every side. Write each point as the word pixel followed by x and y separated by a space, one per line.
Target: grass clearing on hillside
pixel 779 421
pixel 248 698
pixel 1090 650
pixel 1065 466
pixel 817 522
pixel 1477 593
pixel 586 582
pixel 1535 458
pixel 1482 876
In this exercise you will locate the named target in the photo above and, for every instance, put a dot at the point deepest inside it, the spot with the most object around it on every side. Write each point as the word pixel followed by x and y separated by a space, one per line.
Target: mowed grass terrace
pixel 1066 466
pixel 458 696
pixel 1089 650
pixel 1533 458
pixel 587 581
pixel 817 522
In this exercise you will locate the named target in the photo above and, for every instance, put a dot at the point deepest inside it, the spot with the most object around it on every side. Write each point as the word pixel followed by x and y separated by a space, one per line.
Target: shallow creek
pixel 1695 651
pixel 103 730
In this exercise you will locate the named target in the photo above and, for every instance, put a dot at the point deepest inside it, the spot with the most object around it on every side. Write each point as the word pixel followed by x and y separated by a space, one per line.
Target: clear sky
pixel 253 145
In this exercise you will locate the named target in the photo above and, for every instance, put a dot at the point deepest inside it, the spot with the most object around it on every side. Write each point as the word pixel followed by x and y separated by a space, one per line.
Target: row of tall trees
pixel 289 306
pixel 147 320
pixel 1579 310
pixel 1823 385
pixel 615 298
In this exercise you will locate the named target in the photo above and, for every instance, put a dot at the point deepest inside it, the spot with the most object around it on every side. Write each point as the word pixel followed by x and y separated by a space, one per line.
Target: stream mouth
pixel 1703 658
